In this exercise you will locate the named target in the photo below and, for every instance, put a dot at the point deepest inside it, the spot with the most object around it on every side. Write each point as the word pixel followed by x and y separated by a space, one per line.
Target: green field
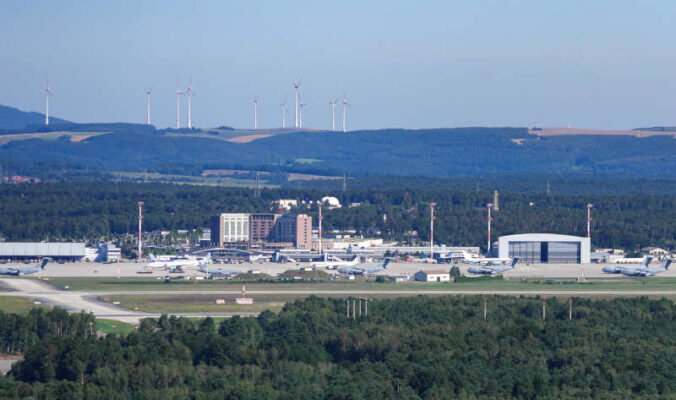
pixel 145 284
pixel 200 303
pixel 110 326
pixel 18 305
pixel 191 180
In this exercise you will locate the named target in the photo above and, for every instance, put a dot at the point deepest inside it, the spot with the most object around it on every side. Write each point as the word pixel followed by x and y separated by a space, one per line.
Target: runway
pixel 87 302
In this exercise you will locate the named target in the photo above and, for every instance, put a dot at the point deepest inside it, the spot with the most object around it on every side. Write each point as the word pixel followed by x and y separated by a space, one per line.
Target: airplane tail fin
pixel 44 261
pixel 386 261
pixel 647 261
pixel 667 263
pixel 514 261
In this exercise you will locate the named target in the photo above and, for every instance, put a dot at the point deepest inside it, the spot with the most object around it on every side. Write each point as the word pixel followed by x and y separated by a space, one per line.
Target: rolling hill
pixel 13 118
pixel 396 152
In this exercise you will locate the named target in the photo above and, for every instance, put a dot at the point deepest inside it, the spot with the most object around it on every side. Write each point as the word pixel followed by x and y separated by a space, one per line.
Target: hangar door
pixel 546 252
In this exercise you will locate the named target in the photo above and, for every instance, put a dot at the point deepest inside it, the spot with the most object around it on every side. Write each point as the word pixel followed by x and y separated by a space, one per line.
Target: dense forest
pixel 91 210
pixel 461 152
pixel 408 348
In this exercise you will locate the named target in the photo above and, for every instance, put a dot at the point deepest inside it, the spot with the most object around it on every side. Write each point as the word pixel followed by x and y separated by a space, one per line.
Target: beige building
pixel 229 228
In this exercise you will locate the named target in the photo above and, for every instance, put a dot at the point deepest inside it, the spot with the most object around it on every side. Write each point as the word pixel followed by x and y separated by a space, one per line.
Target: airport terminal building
pixel 545 248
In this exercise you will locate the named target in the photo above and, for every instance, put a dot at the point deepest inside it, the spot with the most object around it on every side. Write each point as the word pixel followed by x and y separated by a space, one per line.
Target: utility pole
pixel 432 205
pixel 488 207
pixel 484 307
pixel 544 309
pixel 570 308
pixel 140 230
pixel 589 219
pixel 348 308
pixel 257 192
pixel 320 226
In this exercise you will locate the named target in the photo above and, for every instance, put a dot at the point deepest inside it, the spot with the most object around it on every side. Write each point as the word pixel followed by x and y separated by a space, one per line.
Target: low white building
pixel 432 276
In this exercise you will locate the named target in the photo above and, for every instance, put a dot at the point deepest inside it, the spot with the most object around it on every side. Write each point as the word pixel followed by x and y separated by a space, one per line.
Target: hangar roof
pixel 26 249
pixel 542 237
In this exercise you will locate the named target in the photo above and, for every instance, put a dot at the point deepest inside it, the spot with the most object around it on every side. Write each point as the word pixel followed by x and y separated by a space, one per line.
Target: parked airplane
pixel 366 269
pixel 645 271
pixel 493 270
pixel 216 271
pixel 25 271
pixel 617 269
pixel 471 259
pixel 330 262
pixel 259 257
pixel 187 261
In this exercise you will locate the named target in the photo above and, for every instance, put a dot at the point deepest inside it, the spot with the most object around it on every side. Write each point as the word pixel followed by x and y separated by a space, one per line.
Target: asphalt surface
pixel 86 301
pixel 133 269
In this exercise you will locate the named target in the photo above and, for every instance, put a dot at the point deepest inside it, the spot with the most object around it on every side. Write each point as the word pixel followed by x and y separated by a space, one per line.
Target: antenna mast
pixel 488 207
pixel 432 205
pixel 140 230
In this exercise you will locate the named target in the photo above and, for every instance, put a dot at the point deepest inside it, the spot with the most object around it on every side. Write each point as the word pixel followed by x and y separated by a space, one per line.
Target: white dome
pixel 331 201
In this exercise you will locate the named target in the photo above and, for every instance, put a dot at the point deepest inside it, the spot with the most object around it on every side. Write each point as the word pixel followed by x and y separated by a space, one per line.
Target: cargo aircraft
pixel 365 270
pixel 493 269
pixel 25 271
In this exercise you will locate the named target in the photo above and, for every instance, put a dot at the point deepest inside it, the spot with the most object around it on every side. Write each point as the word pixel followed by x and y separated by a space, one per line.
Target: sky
pixel 400 64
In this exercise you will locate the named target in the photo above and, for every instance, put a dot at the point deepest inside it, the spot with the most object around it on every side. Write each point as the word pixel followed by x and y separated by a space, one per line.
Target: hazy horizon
pixel 408 65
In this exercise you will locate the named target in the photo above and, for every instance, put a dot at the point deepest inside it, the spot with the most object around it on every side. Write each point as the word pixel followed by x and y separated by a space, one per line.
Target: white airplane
pixel 176 262
pixel 216 271
pixel 331 262
pixel 472 259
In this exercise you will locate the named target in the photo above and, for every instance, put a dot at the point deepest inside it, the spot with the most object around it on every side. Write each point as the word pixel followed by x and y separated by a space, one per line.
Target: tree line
pixel 93 210
pixel 408 348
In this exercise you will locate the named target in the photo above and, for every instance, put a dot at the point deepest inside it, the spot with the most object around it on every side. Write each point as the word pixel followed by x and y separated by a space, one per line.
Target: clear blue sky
pixel 411 64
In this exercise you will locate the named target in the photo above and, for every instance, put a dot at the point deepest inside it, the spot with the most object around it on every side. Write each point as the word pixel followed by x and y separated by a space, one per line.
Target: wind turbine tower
pixel 333 103
pixel 149 94
pixel 345 105
pixel 300 113
pixel 255 112
pixel 48 94
pixel 178 108
pixel 190 93
pixel 283 113
pixel 296 86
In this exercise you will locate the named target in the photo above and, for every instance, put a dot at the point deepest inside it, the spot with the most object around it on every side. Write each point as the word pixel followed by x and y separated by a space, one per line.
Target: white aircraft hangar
pixel 545 248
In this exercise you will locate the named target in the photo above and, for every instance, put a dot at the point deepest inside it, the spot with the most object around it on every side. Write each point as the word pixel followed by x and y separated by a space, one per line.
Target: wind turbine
pixel 345 105
pixel 301 105
pixel 255 112
pixel 149 93
pixel 333 103
pixel 178 108
pixel 48 94
pixel 190 93
pixel 284 113
pixel 296 86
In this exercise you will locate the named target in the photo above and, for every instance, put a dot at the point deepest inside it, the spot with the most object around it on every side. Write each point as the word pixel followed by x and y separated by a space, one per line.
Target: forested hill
pixel 13 118
pixel 432 152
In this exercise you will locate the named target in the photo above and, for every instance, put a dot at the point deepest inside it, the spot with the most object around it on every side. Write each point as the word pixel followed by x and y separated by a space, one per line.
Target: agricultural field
pixel 74 136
